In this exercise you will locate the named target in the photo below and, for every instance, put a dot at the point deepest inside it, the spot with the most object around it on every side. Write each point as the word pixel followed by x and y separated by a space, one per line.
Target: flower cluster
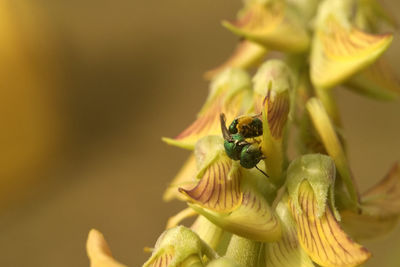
pixel 255 204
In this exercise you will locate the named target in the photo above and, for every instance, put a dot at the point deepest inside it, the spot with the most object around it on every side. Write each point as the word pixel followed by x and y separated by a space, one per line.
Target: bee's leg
pixel 262 171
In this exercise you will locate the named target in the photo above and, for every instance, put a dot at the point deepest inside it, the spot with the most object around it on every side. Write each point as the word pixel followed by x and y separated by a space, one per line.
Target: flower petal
pixel 230 93
pixel 219 187
pixel 339 51
pixel 272 84
pixel 322 237
pixel 277 110
pixel 384 197
pixel 378 81
pixel 271 24
pixel 365 226
pixel 247 54
pixel 254 218
pixel 287 252
pixel 380 208
pixel 99 252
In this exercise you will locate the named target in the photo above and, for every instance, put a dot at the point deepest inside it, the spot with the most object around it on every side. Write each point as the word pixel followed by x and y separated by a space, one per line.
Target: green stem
pixel 244 251
pixel 329 102
pixel 213 235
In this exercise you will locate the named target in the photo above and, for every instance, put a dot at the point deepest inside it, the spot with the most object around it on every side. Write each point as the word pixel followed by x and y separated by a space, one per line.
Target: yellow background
pixel 87 89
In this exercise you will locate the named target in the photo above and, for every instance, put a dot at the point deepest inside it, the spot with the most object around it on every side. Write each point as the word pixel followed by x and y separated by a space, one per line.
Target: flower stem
pixel 244 251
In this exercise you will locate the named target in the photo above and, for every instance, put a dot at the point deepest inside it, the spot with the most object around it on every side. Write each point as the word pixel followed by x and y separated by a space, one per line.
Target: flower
pixel 257 205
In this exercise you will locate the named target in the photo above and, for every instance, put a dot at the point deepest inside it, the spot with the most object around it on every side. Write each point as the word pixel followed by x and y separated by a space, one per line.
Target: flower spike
pixel 230 94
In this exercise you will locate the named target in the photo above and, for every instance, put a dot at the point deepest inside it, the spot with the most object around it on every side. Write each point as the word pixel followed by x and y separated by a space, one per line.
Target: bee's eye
pixel 233 127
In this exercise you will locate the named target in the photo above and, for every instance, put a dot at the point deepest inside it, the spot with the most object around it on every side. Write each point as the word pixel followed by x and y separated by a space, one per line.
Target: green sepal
pixel 319 170
pixel 180 244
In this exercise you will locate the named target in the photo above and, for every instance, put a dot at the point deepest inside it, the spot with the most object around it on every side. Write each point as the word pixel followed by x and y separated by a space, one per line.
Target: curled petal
pixel 253 219
pixel 272 85
pixel 277 110
pixel 339 51
pixel 99 252
pixel 322 237
pixel 246 55
pixel 185 177
pixel 273 25
pixel 380 208
pixel 228 200
pixel 366 226
pixel 229 94
pixel 286 252
pixel 218 188
pixel 384 197
pixel 378 81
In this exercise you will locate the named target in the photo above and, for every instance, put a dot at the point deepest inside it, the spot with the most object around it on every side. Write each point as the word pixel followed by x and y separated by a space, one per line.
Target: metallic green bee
pixel 246 126
pixel 236 146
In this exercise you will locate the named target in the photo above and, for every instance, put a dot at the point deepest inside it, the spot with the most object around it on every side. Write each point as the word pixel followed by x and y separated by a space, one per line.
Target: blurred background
pixel 87 89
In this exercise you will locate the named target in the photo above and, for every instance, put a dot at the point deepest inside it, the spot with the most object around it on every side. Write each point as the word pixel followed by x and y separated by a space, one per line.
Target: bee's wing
pixel 225 132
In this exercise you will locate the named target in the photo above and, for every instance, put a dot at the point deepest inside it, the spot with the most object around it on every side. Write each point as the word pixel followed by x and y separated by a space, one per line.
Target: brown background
pixel 115 76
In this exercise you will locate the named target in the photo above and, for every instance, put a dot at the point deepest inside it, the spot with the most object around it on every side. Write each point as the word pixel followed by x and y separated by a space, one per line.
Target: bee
pixel 246 126
pixel 235 143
